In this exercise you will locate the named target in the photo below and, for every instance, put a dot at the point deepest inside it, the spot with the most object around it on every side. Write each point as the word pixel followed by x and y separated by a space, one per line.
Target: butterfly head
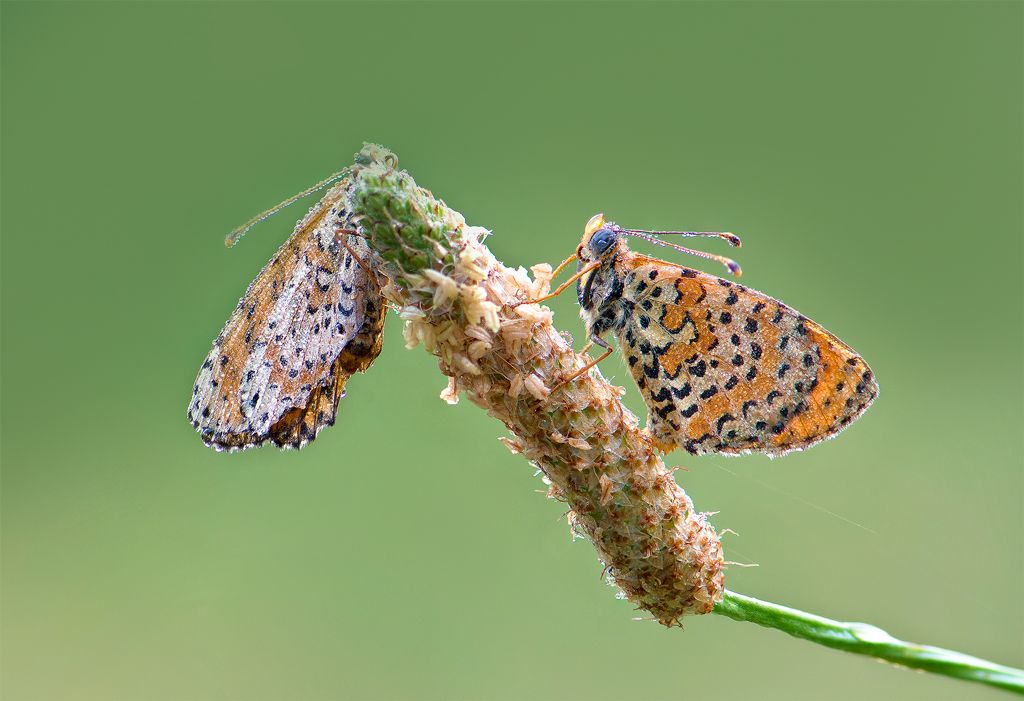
pixel 600 239
pixel 596 256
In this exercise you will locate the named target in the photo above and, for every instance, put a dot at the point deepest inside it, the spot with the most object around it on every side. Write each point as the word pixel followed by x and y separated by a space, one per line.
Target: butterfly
pixel 312 318
pixel 722 368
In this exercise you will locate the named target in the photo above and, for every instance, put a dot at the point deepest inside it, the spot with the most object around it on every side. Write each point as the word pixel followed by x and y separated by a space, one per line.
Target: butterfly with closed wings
pixel 722 368
pixel 313 317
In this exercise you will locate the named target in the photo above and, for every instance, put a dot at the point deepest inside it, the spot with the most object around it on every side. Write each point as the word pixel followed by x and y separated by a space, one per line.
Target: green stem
pixel 865 639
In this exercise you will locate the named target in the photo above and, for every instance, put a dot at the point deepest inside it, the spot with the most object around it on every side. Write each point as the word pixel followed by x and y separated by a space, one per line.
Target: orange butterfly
pixel 722 368
pixel 312 317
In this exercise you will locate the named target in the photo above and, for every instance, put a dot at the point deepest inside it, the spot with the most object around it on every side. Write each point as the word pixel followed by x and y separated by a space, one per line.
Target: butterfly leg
pixel 340 235
pixel 594 340
pixel 561 288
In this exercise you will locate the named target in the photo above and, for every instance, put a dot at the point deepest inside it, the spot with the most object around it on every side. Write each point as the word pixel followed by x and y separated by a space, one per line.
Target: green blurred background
pixel 870 155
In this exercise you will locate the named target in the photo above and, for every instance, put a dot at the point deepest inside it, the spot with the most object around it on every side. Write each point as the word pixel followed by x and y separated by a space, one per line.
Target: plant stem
pixel 503 353
pixel 865 639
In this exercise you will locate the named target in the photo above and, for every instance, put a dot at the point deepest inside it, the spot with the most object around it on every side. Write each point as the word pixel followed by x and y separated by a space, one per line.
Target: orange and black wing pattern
pixel 312 318
pixel 726 369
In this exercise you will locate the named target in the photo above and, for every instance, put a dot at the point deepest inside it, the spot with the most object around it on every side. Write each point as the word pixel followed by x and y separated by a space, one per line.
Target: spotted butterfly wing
pixel 726 369
pixel 312 318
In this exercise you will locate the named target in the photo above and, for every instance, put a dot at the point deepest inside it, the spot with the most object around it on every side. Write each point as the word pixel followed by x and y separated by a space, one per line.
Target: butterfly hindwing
pixel 726 369
pixel 312 317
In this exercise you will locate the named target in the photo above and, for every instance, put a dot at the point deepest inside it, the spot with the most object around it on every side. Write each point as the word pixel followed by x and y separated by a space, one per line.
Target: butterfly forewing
pixel 312 317
pixel 726 369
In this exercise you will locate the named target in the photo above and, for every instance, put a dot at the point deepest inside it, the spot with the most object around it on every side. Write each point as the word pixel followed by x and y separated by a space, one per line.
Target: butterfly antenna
pixel 732 238
pixel 731 265
pixel 233 237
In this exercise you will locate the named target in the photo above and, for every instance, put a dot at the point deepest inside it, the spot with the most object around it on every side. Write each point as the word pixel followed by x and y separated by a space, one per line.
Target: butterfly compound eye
pixel 602 240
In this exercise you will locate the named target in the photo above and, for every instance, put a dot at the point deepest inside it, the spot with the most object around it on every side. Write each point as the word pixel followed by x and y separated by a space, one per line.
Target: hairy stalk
pixel 467 309
pixel 505 356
